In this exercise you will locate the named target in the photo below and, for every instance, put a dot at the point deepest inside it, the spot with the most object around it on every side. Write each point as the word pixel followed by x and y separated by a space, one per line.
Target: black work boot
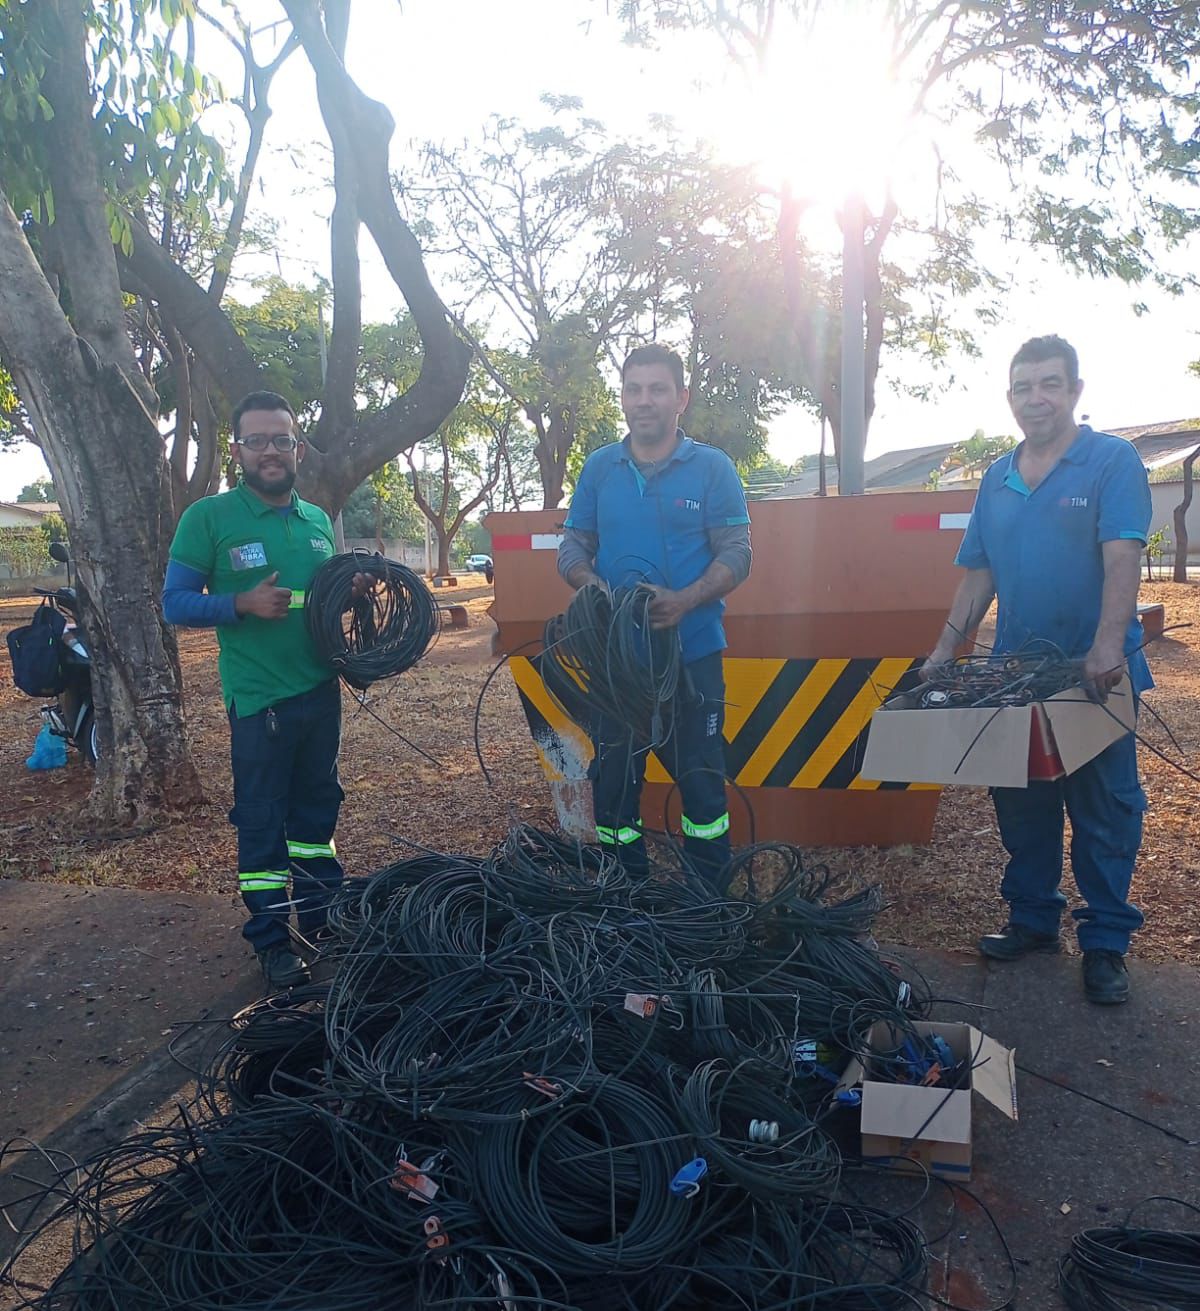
pixel 281 967
pixel 1105 978
pixel 1014 941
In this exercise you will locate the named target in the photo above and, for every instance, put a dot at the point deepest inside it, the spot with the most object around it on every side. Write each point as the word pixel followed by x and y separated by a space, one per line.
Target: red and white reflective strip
pixel 528 542
pixel 929 523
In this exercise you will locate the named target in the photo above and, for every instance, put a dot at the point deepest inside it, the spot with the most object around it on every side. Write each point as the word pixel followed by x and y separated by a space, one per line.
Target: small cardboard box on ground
pixel 915 1129
pixel 990 747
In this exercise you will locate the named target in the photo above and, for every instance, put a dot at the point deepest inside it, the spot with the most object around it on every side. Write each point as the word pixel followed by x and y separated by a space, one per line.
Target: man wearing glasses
pixel 241 562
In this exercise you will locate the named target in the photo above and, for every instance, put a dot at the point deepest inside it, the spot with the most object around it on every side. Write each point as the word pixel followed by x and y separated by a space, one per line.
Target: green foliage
pixel 12 413
pixel 23 552
pixel 977 452
pixel 53 528
pixel 1090 109
pixel 283 331
pixel 1157 546
pixel 389 361
pixel 146 129
pixel 39 492
pixel 474 539
pixel 587 245
pixel 383 506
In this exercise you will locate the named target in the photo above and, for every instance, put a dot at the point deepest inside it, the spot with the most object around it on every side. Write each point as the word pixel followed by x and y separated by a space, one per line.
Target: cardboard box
pixel 914 1129
pixel 1003 747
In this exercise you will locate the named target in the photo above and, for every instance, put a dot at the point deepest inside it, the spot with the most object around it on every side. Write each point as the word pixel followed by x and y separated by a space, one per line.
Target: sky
pixel 444 66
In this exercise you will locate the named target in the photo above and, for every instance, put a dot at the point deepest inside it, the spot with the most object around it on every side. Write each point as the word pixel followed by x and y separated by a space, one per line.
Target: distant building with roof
pixel 25 514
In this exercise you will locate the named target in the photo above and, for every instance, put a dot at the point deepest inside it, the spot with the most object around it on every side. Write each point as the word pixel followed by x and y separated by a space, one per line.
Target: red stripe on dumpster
pixel 915 523
pixel 529 542
pixel 928 523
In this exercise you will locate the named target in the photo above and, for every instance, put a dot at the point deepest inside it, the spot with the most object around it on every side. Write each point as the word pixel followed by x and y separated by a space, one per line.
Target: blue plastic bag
pixel 49 751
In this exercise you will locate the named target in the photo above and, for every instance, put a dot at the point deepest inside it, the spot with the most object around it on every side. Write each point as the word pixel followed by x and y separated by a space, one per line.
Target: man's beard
pixel 283 482
pixel 650 432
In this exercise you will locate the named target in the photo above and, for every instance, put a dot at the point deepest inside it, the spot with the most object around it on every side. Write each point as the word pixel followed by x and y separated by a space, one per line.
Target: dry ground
pixel 943 895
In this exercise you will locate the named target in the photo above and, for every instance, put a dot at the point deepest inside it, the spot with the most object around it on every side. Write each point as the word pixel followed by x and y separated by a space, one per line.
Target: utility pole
pixel 854 364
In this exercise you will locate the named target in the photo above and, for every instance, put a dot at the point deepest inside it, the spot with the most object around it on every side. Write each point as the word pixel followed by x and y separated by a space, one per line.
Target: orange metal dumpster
pixel 844 596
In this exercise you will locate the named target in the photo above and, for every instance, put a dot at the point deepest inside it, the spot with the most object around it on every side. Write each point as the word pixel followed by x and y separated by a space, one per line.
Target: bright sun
pixel 828 118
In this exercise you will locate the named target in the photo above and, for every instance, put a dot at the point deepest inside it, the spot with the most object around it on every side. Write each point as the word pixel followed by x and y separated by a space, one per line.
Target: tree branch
pixel 196 315
pixel 364 128
pixel 83 241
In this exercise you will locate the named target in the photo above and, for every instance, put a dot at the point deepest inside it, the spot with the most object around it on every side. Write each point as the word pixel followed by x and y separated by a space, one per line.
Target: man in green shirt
pixel 241 562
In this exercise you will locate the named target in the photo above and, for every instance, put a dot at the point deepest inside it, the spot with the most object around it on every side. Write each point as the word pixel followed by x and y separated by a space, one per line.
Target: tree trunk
pixel 553 447
pixel 1181 532
pixel 443 565
pixel 115 490
pixel 90 408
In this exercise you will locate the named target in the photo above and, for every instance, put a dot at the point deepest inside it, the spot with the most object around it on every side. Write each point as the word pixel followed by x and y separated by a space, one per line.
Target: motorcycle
pixel 71 714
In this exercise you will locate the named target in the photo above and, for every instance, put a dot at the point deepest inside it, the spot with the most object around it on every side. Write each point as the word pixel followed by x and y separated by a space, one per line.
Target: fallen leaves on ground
pixel 943 895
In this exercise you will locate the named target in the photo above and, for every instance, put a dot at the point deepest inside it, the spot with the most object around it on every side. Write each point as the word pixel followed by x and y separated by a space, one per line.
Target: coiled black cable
pixel 493 1097
pixel 602 660
pixel 1113 1269
pixel 374 636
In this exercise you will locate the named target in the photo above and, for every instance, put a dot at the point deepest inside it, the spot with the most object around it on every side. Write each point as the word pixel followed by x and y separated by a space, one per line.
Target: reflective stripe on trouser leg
pixel 266 880
pixel 716 829
pixel 620 837
pixel 308 850
pixel 696 760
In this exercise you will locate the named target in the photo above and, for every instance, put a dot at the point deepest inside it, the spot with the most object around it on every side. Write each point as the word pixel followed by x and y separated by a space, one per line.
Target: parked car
pixel 478 564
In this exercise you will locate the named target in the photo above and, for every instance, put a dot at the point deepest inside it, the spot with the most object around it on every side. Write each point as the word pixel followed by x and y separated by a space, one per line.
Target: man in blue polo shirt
pixel 1057 535
pixel 662 509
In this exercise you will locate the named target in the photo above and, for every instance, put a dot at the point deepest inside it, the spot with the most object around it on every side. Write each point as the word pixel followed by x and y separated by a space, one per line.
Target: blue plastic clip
pixel 917 1061
pixel 941 1049
pixel 848 1097
pixel 687 1182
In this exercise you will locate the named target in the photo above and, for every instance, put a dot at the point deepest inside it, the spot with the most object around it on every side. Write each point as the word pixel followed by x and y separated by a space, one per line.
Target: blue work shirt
pixel 1043 546
pixel 654 527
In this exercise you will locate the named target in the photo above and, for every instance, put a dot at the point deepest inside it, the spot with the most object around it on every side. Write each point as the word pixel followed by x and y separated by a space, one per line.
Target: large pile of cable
pixel 529 1082
pixel 377 635
pixel 1036 672
pixel 602 660
pixel 1131 1266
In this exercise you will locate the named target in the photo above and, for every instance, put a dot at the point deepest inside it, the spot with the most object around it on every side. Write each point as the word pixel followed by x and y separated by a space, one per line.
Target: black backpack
pixel 36 653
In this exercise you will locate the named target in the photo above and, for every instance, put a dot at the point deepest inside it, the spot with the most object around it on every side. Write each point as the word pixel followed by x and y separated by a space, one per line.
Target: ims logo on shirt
pixel 683 503
pixel 1074 502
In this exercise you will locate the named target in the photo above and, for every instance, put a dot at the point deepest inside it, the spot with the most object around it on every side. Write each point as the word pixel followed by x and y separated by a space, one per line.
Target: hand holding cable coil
pixel 602 659
pixel 376 635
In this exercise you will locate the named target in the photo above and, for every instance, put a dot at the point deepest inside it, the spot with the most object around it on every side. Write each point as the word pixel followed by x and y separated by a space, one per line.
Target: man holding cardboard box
pixel 1056 535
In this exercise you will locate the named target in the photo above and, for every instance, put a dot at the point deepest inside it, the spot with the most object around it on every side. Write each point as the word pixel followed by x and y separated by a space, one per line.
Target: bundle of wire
pixel 526 1081
pixel 374 636
pixel 1035 672
pixel 602 660
pixel 1128 1266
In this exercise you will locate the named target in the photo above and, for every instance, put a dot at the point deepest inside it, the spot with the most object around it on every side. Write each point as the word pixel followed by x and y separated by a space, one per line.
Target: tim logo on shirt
pixel 1074 502
pixel 682 503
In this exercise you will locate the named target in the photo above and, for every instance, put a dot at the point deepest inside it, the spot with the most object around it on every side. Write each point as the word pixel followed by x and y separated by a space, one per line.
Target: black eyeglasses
pixel 258 441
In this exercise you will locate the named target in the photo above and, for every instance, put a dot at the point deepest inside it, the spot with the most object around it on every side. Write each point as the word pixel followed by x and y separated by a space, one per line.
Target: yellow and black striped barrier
pixel 788 723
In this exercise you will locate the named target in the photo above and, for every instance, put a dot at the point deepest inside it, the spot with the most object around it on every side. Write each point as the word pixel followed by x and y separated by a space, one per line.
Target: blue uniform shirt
pixel 655 529
pixel 1043 546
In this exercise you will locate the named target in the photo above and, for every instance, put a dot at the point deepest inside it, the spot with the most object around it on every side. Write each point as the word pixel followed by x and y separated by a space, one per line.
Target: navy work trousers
pixel 1105 802
pixel 286 797
pixel 694 754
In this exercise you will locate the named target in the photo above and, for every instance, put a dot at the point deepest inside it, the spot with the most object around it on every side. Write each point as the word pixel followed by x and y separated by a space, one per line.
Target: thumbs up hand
pixel 267 601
